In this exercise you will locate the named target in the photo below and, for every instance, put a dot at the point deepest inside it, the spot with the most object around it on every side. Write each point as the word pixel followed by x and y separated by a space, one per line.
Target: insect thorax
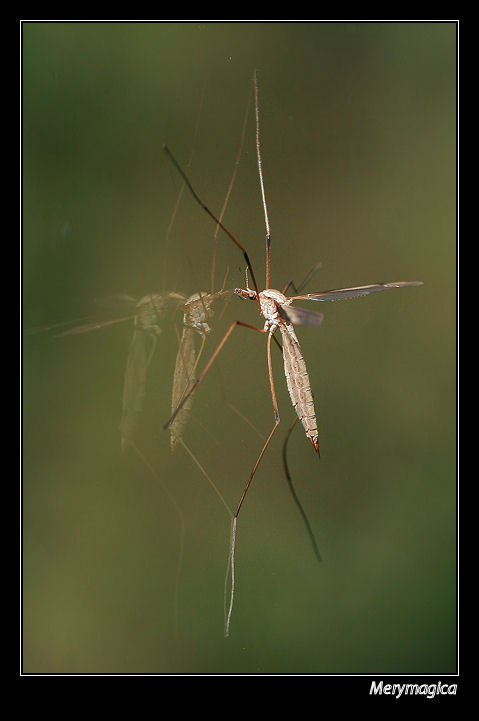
pixel 151 307
pixel 198 308
pixel 270 300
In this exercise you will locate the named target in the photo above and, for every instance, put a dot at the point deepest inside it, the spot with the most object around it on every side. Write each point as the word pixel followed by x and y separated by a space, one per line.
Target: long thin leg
pixel 200 353
pixel 276 424
pixel 245 419
pixel 208 365
pixel 180 440
pixel 166 241
pixel 236 410
pixel 208 478
pixel 275 406
pixel 181 518
pixel 188 379
pixel 235 517
pixel 217 221
pixel 304 282
pixel 151 353
pixel 295 496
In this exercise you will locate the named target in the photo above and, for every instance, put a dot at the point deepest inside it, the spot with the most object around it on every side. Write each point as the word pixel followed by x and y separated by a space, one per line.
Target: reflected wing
pixel 54 326
pixel 162 301
pixel 95 325
pixel 355 292
pixel 121 303
pixel 117 302
pixel 171 300
pixel 300 316
pixel 141 351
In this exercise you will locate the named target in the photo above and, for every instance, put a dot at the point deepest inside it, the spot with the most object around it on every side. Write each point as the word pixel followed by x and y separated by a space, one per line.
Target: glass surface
pixel 358 139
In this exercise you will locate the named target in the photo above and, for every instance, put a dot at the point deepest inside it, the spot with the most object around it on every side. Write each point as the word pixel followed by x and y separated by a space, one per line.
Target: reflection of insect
pixel 197 310
pixel 147 314
pixel 197 314
pixel 142 348
pixel 278 312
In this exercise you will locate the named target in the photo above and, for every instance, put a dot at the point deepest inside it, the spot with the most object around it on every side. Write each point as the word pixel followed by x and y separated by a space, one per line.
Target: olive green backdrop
pixel 358 131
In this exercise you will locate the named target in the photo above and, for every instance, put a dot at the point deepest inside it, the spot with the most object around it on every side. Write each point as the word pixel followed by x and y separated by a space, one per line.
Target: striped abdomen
pixel 298 383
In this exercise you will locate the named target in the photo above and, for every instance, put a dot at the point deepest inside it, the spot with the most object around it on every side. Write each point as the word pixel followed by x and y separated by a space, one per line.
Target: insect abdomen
pixel 298 383
pixel 185 363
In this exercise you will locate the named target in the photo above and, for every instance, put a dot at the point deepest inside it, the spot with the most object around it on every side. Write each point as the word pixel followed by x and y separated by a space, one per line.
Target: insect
pixel 278 312
pixel 197 313
pixel 147 314
pixel 142 347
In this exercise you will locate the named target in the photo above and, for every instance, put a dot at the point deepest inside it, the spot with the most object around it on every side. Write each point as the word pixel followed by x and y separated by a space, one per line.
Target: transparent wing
pixel 300 316
pixel 54 326
pixel 305 280
pixel 95 325
pixel 140 353
pixel 121 303
pixel 117 302
pixel 169 300
pixel 356 292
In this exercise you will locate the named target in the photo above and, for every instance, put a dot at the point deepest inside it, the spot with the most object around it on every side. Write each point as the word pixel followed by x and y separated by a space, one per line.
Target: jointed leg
pixel 235 517
pixel 276 424
pixel 208 365
pixel 294 494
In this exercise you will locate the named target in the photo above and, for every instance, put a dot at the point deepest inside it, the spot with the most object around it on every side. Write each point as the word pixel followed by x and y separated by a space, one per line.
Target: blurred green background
pixel 358 144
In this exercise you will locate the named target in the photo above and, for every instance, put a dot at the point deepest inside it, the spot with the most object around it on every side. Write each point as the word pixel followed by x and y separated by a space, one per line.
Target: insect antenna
pixel 228 192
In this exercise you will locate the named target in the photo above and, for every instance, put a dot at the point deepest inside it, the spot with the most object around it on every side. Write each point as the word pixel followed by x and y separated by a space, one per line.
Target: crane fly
pixel 146 315
pixel 142 347
pixel 197 314
pixel 278 312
